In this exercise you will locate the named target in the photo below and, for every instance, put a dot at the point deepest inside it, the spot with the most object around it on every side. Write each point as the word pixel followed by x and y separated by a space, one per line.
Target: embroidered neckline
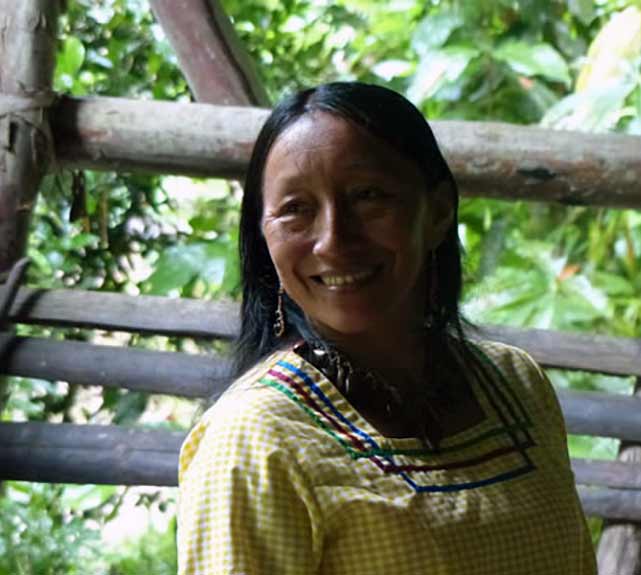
pixel 505 432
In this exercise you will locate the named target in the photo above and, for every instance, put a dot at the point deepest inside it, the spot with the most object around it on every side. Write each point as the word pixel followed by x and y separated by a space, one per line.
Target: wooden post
pixel 216 65
pixel 27 55
pixel 620 544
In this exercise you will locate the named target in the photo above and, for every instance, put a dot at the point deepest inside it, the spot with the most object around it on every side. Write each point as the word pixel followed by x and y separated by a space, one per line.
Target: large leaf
pixel 534 60
pixel 70 59
pixel 612 57
pixel 71 56
pixel 434 30
pixel 439 69
pixel 594 110
pixel 178 265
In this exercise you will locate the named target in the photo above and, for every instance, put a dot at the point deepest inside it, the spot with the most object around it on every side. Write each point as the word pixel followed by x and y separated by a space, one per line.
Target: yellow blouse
pixel 283 477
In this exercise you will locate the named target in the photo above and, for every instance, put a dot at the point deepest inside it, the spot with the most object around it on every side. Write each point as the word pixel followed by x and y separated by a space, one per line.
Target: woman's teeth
pixel 346 279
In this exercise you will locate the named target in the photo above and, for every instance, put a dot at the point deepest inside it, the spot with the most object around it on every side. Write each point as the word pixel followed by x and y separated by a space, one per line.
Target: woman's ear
pixel 440 214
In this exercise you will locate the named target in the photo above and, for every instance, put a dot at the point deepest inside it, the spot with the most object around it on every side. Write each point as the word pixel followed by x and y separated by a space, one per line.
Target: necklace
pixel 419 405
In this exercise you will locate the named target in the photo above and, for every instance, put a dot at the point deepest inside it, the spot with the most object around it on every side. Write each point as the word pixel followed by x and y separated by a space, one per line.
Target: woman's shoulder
pixel 523 377
pixel 249 412
pixel 512 362
pixel 514 369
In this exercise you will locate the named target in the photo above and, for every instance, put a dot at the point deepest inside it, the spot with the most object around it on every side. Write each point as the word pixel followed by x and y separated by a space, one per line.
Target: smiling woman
pixel 364 433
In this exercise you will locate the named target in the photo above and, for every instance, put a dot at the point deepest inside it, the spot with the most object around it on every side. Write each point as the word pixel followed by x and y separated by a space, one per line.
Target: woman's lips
pixel 340 280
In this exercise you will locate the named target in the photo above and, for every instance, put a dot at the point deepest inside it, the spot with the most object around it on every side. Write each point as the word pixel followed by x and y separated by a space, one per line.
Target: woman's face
pixel 349 226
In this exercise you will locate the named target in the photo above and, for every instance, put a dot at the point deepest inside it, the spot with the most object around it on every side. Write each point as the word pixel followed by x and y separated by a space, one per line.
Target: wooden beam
pixel 153 136
pixel 219 319
pixel 120 312
pixel 619 504
pixel 27 50
pixel 586 413
pixel 115 455
pixel 587 352
pixel 503 161
pixel 217 67
pixel 105 455
pixel 601 414
pixel 82 363
pixel 612 474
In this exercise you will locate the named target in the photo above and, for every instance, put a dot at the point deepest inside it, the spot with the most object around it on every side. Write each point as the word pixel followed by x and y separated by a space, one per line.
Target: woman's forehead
pixel 332 136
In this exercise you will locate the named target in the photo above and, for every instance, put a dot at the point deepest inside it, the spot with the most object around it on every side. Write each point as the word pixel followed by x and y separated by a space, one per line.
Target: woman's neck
pixel 386 350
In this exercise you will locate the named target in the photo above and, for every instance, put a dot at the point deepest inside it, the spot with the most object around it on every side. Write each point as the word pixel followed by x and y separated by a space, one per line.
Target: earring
pixel 279 324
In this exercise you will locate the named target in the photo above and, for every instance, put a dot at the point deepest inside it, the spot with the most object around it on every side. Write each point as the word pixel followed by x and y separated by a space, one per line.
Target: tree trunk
pixel 620 545
pixel 27 54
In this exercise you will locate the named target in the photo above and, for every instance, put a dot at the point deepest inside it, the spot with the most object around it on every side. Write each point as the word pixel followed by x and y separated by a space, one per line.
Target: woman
pixel 364 433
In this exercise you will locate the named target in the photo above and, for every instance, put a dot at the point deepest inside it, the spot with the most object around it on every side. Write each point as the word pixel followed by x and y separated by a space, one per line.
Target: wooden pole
pixel 187 317
pixel 27 52
pixel 620 544
pixel 488 159
pixel 212 58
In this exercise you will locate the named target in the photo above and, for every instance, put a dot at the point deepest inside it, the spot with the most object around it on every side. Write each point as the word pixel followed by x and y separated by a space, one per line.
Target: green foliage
pixel 40 536
pixel 153 554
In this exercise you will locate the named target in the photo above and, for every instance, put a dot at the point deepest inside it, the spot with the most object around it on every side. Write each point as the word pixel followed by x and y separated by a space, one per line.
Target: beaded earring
pixel 279 324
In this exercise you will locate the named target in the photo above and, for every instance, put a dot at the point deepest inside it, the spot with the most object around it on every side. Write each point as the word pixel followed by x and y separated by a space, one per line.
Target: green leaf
pixel 82 240
pixel 594 110
pixel 178 265
pixel 534 60
pixel 71 56
pixel 439 69
pixel 614 284
pixel 129 407
pixel 584 10
pixel 434 30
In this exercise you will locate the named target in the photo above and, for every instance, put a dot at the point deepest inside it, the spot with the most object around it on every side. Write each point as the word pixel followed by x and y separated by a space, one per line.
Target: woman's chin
pixel 346 326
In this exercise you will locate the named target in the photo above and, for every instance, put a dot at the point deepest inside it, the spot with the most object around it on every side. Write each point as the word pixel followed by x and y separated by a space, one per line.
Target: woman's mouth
pixel 345 279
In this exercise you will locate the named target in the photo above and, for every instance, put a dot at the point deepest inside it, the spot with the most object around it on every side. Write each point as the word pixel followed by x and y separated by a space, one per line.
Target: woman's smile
pixel 347 280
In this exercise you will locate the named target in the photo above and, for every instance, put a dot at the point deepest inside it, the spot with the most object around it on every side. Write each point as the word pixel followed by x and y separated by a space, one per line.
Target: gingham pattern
pixel 283 477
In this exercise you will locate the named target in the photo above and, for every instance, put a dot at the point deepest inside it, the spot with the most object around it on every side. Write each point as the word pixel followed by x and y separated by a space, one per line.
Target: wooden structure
pixel 492 160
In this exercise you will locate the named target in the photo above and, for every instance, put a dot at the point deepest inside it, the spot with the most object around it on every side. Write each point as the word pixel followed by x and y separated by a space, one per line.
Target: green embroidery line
pixel 422 453
pixel 280 387
pixel 427 453
pixel 506 385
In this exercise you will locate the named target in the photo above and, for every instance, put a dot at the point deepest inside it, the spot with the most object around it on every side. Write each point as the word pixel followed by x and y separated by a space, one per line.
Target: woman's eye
pixel 369 194
pixel 294 207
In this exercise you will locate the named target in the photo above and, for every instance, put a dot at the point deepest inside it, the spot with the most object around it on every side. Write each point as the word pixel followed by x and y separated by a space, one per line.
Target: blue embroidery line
pixel 419 488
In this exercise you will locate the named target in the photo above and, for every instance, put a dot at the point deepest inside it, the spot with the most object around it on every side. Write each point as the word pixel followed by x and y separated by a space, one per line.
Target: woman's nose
pixel 336 232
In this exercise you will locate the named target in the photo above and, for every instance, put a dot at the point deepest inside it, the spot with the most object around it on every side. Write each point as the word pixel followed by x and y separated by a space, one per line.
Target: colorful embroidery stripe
pixel 314 411
pixel 391 465
pixel 517 401
pixel 422 452
pixel 461 464
pixel 356 442
pixel 314 416
pixel 501 398
pixel 472 484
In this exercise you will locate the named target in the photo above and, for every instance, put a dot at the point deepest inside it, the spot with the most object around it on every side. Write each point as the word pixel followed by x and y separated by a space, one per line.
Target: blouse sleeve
pixel 245 505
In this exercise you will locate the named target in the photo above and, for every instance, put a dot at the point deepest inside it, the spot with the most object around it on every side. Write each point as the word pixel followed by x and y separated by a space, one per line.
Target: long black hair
pixel 386 115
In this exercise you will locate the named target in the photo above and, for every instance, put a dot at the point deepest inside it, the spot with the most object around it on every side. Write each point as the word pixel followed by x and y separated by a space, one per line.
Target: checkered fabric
pixel 283 477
